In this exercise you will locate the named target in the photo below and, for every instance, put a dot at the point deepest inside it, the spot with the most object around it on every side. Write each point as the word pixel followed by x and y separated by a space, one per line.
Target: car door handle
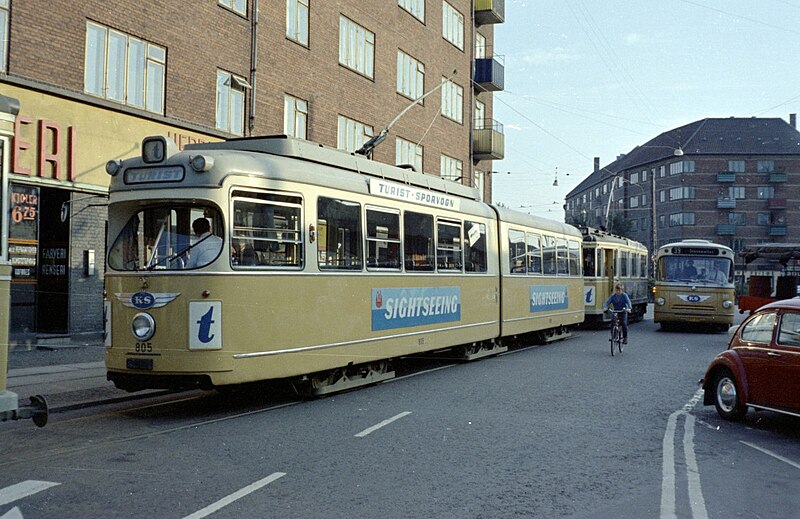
pixel 773 354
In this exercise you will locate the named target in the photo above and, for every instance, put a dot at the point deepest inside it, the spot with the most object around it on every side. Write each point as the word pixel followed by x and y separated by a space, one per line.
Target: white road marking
pixel 14 513
pixel 24 489
pixel 692 472
pixel 770 453
pixel 668 483
pixel 382 424
pixel 225 501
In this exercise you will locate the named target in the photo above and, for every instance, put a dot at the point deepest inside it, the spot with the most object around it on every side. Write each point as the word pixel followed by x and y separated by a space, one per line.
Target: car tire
pixel 726 395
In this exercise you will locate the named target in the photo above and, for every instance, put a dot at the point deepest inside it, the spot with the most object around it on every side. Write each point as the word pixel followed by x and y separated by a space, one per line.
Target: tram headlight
pixel 727 304
pixel 143 326
pixel 660 301
pixel 202 163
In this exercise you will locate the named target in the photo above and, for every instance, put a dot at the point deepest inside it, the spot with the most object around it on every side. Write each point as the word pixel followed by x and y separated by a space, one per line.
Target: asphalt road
pixel 562 430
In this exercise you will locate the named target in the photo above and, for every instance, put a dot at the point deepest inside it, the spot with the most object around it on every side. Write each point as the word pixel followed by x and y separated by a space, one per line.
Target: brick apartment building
pixel 85 81
pixel 734 181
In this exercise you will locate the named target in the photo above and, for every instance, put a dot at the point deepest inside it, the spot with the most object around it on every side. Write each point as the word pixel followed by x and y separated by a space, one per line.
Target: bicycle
pixel 616 331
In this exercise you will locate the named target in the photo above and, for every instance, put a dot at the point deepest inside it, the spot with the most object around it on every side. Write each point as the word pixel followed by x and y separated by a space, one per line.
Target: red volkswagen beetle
pixel 761 367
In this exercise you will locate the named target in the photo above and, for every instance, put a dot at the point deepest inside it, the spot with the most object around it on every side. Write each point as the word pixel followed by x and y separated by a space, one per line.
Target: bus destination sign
pixel 159 174
pixel 696 251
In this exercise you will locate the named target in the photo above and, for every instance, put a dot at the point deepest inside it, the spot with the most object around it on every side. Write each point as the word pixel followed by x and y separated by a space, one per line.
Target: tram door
pixel 610 262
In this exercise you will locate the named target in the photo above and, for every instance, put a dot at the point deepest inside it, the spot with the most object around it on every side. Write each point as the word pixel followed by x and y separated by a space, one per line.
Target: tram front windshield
pixel 168 237
pixel 695 269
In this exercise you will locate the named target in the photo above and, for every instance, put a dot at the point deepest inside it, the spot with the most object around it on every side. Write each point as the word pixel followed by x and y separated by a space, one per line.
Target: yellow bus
pixel 609 259
pixel 278 258
pixel 694 285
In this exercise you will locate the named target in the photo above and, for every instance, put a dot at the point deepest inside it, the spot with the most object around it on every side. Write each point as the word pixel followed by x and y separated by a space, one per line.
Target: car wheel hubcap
pixel 726 394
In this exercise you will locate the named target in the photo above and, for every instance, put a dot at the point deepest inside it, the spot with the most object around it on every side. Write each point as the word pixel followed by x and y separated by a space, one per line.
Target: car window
pixel 790 330
pixel 759 329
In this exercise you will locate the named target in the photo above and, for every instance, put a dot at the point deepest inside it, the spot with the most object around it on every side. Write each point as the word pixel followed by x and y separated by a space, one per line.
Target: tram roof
pixel 591 234
pixel 510 216
pixel 285 146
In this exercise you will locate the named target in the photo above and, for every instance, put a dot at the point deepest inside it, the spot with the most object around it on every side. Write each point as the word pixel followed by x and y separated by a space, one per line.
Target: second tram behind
pixel 694 285
pixel 609 259
pixel 277 258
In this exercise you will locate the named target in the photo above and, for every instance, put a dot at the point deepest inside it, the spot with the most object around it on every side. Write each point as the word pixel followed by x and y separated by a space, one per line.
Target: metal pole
pixel 654 223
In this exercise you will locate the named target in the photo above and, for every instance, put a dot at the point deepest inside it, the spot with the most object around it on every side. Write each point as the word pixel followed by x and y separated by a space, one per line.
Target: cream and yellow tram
pixel 273 258
pixel 694 285
pixel 609 259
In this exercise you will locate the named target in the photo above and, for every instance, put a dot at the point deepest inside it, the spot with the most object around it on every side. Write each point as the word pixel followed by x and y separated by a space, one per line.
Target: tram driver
pixel 206 247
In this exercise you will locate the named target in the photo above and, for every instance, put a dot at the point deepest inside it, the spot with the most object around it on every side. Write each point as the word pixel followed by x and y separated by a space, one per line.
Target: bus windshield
pixel 695 269
pixel 168 237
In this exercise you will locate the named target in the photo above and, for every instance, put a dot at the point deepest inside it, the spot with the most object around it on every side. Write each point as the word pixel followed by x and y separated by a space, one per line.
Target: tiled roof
pixel 730 136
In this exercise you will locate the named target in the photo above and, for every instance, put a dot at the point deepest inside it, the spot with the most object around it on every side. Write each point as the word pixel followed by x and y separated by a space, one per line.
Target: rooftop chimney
pixel 793 120
pixel 597 163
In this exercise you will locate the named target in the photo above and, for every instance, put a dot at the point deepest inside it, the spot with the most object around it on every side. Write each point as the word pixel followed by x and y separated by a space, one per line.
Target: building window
pixel 452 25
pixel 634 178
pixel 451 169
pixel 634 202
pixel 766 166
pixel 765 192
pixel 736 166
pixel 738 244
pixel 480 46
pixel 415 7
pixel 681 193
pixel 452 101
pixel 480 115
pixel 662 171
pixel 295 117
pixel 410 76
pixel 356 47
pixel 3 34
pixel 408 153
pixel 124 69
pixel 230 103
pixel 352 134
pixel 736 193
pixel 297 21
pixel 736 218
pixel 238 6
pixel 679 219
pixel 763 218
pixel 684 166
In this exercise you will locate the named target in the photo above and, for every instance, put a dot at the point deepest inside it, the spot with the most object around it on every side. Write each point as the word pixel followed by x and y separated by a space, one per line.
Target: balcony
pixel 489 11
pixel 726 176
pixel 777 230
pixel 777 176
pixel 488 141
pixel 726 229
pixel 489 74
pixel 776 203
pixel 726 203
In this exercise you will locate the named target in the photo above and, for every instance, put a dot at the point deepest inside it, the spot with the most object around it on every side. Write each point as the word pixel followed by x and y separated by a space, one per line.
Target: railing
pixel 726 203
pixel 726 229
pixel 777 176
pixel 490 74
pixel 726 176
pixel 777 230
pixel 488 140
pixel 490 11
pixel 776 203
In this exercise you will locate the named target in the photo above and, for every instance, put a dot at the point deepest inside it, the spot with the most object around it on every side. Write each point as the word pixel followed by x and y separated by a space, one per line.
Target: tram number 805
pixel 144 347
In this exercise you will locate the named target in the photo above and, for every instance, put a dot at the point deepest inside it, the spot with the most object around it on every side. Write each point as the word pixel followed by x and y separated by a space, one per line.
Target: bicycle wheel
pixel 620 340
pixel 613 337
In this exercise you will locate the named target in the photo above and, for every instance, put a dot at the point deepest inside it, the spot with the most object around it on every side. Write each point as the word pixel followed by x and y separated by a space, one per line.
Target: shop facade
pixel 56 216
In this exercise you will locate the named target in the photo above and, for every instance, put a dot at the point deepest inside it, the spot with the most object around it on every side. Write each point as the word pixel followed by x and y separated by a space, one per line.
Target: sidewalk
pixel 68 376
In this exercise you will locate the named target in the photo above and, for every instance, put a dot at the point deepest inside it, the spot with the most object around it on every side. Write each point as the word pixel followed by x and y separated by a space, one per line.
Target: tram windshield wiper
pixel 178 254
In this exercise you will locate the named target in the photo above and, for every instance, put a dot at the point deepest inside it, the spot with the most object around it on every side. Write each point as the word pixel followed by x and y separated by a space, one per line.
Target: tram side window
pixel 474 247
pixel 561 255
pixel 516 252
pixel 534 254
pixel 383 238
pixel 339 232
pixel 266 230
pixel 623 264
pixel 574 258
pixel 418 241
pixel 643 262
pixel 549 255
pixel 448 246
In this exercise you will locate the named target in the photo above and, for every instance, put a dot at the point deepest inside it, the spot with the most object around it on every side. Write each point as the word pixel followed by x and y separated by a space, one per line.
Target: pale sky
pixel 588 78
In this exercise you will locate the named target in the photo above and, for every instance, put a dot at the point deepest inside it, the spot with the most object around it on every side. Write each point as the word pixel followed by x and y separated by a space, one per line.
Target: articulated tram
pixel 609 259
pixel 277 258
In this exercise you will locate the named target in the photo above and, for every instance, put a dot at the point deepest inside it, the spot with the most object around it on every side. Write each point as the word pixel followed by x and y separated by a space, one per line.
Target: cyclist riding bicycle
pixel 620 301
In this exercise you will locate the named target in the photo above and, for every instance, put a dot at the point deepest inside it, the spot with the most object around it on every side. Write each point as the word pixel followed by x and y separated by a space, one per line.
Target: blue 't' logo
pixel 205 323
